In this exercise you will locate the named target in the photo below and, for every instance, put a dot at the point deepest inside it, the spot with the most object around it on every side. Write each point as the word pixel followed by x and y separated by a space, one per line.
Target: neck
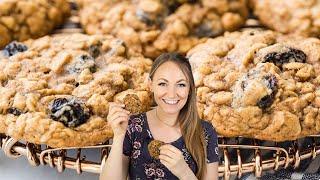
pixel 167 119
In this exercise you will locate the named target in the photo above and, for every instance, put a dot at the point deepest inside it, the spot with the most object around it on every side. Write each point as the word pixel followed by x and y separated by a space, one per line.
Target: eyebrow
pixel 168 81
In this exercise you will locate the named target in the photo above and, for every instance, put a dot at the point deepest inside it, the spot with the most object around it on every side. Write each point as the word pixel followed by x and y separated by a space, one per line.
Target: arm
pixel 173 159
pixel 188 175
pixel 212 171
pixel 116 166
pixel 113 168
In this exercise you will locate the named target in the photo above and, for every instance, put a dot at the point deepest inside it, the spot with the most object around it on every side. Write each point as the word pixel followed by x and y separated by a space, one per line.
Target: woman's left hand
pixel 173 159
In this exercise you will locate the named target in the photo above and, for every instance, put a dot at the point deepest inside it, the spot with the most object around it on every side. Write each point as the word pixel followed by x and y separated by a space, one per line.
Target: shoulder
pixel 208 129
pixel 207 125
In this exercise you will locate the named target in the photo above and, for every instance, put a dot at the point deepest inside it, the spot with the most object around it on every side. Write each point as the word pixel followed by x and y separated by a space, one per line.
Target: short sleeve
pixel 127 142
pixel 212 143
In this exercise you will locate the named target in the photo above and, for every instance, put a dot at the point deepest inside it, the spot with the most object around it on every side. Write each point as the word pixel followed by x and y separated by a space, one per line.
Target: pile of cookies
pixel 152 27
pixel 259 83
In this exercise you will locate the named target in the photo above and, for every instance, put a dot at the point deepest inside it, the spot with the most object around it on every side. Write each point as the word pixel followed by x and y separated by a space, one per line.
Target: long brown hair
pixel 188 119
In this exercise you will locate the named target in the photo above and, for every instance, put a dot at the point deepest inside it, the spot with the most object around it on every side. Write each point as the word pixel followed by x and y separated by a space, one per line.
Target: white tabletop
pixel 17 169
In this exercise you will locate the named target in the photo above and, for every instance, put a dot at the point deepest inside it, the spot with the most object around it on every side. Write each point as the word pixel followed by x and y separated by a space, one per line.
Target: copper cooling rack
pixel 237 155
pixel 233 161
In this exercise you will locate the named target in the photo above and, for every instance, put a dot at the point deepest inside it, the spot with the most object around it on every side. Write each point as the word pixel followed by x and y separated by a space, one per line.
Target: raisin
pixel 94 50
pixel 57 103
pixel 13 48
pixel 69 112
pixel 280 58
pixel 83 62
pixel 206 30
pixel 271 83
pixel 149 19
pixel 173 5
pixel 265 102
pixel 14 111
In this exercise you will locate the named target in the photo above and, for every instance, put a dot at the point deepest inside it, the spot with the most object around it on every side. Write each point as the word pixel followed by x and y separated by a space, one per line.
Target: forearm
pixel 188 175
pixel 113 168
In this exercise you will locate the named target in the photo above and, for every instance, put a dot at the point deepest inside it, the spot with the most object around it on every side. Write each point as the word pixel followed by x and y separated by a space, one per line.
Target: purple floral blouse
pixel 143 166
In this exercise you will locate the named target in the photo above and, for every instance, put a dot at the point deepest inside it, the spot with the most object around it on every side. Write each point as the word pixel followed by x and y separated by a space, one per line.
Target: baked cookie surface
pixel 299 17
pixel 152 27
pixel 259 84
pixel 154 148
pixel 24 19
pixel 56 90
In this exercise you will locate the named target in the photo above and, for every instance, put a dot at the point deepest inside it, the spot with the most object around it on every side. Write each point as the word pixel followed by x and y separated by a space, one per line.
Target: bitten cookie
pixel 259 84
pixel 132 103
pixel 152 27
pixel 56 90
pixel 153 148
pixel 24 19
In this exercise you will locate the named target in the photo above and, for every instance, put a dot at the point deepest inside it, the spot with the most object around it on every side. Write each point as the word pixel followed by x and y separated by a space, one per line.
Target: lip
pixel 170 100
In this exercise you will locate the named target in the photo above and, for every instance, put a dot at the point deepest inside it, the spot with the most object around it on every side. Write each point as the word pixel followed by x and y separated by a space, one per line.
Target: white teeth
pixel 171 101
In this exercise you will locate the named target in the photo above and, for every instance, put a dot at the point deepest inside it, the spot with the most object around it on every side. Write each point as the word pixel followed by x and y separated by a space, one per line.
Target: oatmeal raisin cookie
pixel 153 148
pixel 56 90
pixel 24 19
pixel 151 27
pixel 259 84
pixel 294 16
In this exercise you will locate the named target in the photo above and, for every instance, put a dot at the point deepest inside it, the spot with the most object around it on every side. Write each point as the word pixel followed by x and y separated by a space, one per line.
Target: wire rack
pixel 237 157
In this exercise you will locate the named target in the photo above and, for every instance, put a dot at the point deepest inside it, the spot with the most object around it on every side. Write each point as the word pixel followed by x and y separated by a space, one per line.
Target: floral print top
pixel 143 166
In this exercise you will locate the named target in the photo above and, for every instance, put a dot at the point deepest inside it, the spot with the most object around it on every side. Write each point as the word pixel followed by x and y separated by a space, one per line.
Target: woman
pixel 190 150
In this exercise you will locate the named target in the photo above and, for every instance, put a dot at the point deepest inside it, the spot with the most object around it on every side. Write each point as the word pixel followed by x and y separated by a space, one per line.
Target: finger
pixel 115 115
pixel 165 163
pixel 166 158
pixel 114 105
pixel 120 120
pixel 168 153
pixel 171 148
pixel 114 110
pixel 115 119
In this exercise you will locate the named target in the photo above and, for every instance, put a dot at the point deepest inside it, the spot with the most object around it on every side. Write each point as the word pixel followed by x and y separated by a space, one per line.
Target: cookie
pixel 132 103
pixel 259 84
pixel 153 148
pixel 56 90
pixel 298 17
pixel 24 19
pixel 151 27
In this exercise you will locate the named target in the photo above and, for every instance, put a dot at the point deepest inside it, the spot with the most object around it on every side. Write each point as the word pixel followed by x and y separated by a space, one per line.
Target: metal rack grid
pixel 232 161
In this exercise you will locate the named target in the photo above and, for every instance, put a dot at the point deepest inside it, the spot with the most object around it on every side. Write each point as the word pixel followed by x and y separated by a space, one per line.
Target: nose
pixel 171 92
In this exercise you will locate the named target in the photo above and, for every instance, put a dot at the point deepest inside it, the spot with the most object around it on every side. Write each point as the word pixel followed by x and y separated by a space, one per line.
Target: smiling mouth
pixel 170 102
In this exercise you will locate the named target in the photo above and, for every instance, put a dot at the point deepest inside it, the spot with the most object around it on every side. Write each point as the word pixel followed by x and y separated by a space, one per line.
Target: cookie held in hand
pixel 154 148
pixel 132 103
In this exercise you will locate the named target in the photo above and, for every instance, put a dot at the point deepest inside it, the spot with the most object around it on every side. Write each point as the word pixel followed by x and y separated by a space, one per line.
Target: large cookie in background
pixel 56 90
pixel 259 84
pixel 151 27
pixel 294 16
pixel 24 19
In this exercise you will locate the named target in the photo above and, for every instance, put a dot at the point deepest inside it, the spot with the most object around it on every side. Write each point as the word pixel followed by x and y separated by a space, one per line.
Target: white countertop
pixel 18 169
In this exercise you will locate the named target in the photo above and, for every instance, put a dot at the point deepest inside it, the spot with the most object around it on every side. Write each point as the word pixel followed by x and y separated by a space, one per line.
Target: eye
pixel 182 85
pixel 161 84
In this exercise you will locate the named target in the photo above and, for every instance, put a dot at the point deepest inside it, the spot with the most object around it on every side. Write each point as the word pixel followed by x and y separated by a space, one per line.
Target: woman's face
pixel 170 88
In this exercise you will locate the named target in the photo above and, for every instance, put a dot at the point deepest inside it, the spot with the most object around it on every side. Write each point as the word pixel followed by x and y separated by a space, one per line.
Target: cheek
pixel 183 92
pixel 158 92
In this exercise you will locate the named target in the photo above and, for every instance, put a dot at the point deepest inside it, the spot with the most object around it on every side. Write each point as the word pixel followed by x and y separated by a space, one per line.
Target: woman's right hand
pixel 118 119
